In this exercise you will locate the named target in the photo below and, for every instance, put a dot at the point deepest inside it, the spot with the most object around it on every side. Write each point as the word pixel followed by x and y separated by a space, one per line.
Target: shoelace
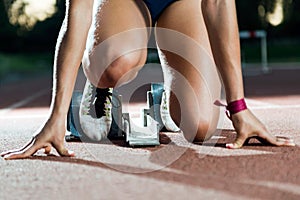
pixel 103 98
pixel 87 104
pixel 165 105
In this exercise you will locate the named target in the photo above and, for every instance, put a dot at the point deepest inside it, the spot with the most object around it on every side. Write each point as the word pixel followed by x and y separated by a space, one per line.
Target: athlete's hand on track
pixel 247 126
pixel 51 135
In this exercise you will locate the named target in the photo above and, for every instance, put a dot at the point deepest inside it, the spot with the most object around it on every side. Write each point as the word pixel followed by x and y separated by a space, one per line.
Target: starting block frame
pixel 122 127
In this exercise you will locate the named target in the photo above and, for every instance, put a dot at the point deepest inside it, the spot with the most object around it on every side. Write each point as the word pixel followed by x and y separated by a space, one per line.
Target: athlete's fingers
pixel 20 149
pixel 284 141
pixel 61 149
pixel 23 154
pixel 238 143
pixel 47 149
pixel 7 152
pixel 266 138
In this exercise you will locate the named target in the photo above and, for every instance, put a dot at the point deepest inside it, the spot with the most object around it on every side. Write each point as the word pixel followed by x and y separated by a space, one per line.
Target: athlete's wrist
pixel 236 106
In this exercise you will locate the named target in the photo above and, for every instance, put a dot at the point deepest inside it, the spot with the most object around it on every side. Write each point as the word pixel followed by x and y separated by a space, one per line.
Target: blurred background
pixel 29 28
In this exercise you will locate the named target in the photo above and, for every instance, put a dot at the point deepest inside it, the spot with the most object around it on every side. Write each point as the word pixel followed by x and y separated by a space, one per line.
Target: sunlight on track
pixel 287 187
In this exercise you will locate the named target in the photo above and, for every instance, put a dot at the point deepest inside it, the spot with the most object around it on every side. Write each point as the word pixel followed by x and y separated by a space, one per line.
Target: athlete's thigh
pixel 185 43
pixel 118 33
pixel 113 17
pixel 118 27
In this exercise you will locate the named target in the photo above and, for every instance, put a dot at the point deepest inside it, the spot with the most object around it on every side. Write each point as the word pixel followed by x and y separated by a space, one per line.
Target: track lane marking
pixel 23 102
pixel 260 105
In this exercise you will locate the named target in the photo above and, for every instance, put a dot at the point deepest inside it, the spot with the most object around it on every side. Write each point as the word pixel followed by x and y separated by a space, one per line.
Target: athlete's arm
pixel 221 22
pixel 68 54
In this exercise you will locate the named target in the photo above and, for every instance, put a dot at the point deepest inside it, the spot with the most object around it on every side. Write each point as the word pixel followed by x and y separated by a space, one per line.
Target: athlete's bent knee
pixel 122 69
pixel 204 132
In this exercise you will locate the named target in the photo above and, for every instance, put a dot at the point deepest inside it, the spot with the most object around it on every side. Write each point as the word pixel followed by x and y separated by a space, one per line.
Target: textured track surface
pixel 174 170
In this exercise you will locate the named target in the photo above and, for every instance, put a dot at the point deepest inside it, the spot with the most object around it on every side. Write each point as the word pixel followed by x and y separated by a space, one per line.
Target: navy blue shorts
pixel 156 7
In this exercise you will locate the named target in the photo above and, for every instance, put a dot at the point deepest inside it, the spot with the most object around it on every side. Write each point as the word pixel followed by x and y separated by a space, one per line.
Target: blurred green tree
pixel 281 19
pixel 7 31
pixel 42 37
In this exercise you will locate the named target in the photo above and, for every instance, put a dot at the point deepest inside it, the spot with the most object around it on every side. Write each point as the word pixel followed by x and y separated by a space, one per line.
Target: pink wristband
pixel 236 106
pixel 233 107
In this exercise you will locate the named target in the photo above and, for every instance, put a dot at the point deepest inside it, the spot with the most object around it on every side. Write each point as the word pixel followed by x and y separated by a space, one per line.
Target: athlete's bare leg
pixel 195 79
pixel 116 50
pixel 117 43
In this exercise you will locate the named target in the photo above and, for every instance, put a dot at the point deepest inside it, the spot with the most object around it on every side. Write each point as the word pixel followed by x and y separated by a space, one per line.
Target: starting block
pixel 122 126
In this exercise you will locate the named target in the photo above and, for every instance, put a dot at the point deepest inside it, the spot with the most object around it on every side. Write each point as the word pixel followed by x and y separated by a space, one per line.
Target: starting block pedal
pixel 158 109
pixel 154 99
pixel 142 136
pixel 122 127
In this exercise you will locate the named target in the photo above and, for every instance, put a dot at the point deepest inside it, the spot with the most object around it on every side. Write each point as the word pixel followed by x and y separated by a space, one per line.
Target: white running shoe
pixel 165 113
pixel 95 112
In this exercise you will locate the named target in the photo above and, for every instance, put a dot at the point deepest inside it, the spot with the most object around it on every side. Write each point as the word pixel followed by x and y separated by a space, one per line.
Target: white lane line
pixel 274 107
pixel 23 102
pixel 10 117
pixel 286 187
pixel 258 103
